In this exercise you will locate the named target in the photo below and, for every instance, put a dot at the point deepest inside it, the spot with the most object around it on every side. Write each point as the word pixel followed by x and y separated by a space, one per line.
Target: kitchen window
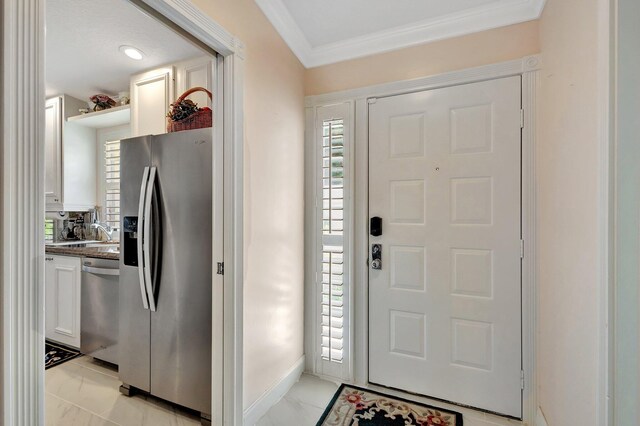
pixel 108 173
pixel 112 183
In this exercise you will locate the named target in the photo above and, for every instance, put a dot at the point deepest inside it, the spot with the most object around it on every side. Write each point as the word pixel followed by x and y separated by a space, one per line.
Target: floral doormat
pixel 55 355
pixel 361 407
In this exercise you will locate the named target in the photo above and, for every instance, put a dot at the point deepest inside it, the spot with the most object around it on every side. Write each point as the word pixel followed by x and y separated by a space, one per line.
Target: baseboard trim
pixel 540 419
pixel 272 396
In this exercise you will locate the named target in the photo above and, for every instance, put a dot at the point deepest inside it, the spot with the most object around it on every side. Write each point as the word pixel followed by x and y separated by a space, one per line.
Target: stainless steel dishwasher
pixel 99 312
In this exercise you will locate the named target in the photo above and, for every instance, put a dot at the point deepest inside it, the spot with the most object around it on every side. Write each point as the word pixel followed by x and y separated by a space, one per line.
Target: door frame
pixel 528 68
pixel 23 203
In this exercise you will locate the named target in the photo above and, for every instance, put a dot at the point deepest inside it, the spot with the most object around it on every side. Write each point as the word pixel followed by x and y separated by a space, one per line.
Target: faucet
pixel 108 231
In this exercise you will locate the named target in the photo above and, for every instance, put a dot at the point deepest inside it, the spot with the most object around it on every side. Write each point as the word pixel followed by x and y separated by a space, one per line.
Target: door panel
pixel 53 151
pixel 135 321
pixel 445 312
pixel 181 327
pixel 62 283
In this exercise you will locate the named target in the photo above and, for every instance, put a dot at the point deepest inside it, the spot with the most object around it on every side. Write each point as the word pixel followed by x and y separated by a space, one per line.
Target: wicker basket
pixel 199 120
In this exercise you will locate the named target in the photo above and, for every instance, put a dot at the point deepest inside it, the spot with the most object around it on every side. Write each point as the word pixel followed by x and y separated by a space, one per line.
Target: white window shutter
pixel 112 183
pixel 332 252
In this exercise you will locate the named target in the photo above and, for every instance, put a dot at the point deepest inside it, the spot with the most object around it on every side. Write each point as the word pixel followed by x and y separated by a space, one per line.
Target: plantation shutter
pixel 332 270
pixel 112 183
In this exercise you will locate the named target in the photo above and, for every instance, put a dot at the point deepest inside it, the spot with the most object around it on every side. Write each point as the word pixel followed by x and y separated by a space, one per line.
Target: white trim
pixel 23 202
pixel 606 234
pixel 529 226
pixel 22 214
pixel 469 21
pixel 274 394
pixel 465 76
pixel 527 68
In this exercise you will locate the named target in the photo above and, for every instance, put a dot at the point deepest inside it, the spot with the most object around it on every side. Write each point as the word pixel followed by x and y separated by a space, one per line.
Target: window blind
pixel 332 273
pixel 112 183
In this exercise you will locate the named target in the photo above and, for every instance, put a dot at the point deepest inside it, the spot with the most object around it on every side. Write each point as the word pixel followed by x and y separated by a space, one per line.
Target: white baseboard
pixel 272 396
pixel 540 419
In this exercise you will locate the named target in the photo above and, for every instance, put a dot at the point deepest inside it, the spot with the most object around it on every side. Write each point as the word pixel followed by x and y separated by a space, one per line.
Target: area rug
pixel 56 355
pixel 353 406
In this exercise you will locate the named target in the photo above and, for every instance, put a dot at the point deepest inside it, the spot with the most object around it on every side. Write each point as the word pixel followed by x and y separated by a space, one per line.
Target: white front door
pixel 445 307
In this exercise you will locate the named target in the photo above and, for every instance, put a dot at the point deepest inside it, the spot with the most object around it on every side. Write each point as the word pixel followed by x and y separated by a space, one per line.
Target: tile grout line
pixel 81 408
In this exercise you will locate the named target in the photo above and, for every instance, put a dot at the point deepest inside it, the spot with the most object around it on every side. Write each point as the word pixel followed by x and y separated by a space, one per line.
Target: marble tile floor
pixel 84 392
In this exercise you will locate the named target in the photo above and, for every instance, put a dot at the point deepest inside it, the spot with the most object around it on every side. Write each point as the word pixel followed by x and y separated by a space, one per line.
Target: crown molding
pixel 482 18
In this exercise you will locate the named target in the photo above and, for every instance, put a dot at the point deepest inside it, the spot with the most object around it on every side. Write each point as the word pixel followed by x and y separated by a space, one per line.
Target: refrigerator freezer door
pixel 135 320
pixel 181 326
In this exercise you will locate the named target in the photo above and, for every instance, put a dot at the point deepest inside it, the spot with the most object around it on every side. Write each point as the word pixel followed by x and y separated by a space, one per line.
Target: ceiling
pixel 82 46
pixel 323 32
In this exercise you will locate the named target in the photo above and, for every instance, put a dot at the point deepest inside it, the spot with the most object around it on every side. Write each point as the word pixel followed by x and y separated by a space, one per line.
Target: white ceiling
pixel 82 41
pixel 322 32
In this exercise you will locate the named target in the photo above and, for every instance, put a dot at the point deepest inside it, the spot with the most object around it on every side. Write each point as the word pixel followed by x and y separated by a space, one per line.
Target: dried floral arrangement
pixel 183 109
pixel 102 102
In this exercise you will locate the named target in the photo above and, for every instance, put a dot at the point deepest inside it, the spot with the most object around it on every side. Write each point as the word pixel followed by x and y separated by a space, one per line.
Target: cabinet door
pixel 195 73
pixel 53 151
pixel 151 94
pixel 62 299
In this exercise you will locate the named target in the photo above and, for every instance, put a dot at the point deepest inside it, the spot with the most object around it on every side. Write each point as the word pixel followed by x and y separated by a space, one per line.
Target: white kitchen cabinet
pixel 70 160
pixel 62 299
pixel 195 73
pixel 151 94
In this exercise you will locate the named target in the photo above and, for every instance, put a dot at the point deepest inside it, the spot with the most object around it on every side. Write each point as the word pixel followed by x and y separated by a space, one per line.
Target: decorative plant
pixel 102 102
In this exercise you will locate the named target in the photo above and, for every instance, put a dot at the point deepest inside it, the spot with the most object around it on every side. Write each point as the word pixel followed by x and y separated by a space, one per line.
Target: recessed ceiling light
pixel 132 52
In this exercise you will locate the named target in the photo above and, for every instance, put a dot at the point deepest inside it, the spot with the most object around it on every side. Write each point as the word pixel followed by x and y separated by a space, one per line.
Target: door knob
pixel 376 256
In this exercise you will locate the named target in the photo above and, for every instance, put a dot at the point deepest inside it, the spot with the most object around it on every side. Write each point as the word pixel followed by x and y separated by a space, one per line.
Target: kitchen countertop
pixel 106 252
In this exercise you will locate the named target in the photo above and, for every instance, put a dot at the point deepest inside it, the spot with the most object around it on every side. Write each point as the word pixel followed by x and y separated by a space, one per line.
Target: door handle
pixel 376 256
pixel 146 240
pixel 141 229
pixel 100 271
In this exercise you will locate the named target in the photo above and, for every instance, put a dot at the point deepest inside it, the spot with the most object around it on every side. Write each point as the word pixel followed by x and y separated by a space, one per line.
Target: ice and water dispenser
pixel 130 240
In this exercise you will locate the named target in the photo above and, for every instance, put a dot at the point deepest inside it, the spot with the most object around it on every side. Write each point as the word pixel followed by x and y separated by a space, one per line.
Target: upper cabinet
pixel 152 93
pixel 70 157
pixel 53 151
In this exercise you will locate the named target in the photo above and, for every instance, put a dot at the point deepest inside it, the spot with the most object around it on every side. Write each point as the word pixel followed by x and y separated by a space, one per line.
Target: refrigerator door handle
pixel 146 243
pixel 141 237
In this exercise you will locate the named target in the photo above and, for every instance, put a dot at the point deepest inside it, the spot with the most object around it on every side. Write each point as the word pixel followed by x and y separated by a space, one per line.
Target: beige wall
pixel 567 173
pixel 274 203
pixel 487 47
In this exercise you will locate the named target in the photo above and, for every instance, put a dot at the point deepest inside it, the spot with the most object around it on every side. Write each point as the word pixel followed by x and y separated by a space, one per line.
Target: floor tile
pixel 142 411
pixel 81 386
pixel 62 413
pixel 291 413
pixel 313 391
pixel 97 365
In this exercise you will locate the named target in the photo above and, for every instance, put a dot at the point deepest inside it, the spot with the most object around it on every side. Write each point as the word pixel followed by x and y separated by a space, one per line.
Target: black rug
pixel 55 354
pixel 353 406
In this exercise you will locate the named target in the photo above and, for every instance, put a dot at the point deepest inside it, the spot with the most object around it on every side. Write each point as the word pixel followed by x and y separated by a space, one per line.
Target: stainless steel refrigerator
pixel 166 267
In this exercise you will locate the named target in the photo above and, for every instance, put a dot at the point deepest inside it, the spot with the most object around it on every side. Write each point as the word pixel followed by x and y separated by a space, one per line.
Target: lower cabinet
pixel 62 299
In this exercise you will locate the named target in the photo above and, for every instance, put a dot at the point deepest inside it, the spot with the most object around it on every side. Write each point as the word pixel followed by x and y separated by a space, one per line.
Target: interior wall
pixel 567 213
pixel 483 48
pixel 273 196
pixel 627 330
